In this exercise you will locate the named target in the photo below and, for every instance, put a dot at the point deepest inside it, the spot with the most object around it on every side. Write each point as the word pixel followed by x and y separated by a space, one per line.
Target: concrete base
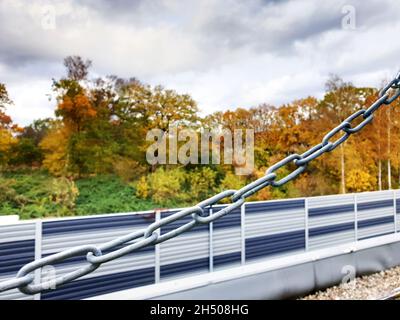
pixel 298 280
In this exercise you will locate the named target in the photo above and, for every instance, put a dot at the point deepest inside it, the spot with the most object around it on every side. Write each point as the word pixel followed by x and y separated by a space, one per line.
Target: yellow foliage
pixel 167 185
pixel 263 194
pixel 202 182
pixel 54 145
pixel 358 180
pixel 142 188
pixel 232 181
pixel 64 193
pixel 6 142
pixel 127 169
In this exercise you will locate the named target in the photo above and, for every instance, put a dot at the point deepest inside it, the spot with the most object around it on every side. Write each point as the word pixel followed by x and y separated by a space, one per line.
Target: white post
pixel 157 252
pixel 306 223
pixel 211 245
pixel 243 232
pixel 394 211
pixel 355 218
pixel 38 254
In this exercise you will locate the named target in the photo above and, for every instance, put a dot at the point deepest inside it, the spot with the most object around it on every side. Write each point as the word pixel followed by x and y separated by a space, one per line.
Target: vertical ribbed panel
pixel 17 247
pixel 330 220
pixel 375 214
pixel 186 254
pixel 132 270
pixel 274 228
pixel 227 239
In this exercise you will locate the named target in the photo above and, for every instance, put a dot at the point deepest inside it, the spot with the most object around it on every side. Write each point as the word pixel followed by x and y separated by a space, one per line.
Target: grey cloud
pixel 224 53
pixel 248 24
pixel 273 28
pixel 212 29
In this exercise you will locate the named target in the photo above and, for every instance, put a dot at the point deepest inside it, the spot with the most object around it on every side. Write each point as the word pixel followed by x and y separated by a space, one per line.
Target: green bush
pixel 8 195
pixel 164 187
pixel 36 194
pixel 108 194
pixel 201 183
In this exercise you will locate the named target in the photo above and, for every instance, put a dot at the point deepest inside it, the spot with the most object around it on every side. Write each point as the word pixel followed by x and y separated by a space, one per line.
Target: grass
pixel 108 194
pixel 31 194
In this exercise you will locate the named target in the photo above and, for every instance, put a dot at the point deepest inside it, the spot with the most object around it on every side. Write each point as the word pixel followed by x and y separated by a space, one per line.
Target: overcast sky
pixel 225 54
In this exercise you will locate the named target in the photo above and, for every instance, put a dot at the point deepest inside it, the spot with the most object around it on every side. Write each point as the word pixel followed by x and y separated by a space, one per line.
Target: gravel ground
pixel 369 287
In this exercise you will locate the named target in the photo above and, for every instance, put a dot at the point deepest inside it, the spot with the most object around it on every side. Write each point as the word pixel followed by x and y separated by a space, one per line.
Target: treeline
pixel 100 127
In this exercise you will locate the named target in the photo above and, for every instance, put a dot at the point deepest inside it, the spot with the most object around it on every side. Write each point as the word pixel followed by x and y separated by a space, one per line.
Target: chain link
pixel 394 87
pixel 24 280
pixel 60 256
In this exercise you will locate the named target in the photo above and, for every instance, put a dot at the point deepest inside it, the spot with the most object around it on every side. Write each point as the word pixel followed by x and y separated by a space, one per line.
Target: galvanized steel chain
pixel 95 256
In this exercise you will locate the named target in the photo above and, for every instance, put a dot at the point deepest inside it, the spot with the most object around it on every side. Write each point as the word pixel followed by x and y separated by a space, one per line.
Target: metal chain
pixel 24 279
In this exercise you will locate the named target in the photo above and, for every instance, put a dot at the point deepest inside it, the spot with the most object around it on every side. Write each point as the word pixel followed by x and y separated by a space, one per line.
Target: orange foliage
pixel 76 110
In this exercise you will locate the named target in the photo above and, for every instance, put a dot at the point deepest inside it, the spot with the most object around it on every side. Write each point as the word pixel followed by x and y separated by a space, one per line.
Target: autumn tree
pixel 77 68
pixel 340 101
pixel 6 127
pixel 102 123
pixel 55 147
pixel 142 107
pixel 26 151
pixel 75 108
pixel 106 119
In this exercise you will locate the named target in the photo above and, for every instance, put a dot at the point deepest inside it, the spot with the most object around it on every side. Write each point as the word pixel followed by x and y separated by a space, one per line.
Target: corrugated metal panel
pixel 265 246
pixel 227 239
pixel 186 254
pixel 396 194
pixel 328 210
pixel 398 222
pixel 274 228
pixel 17 247
pixel 274 206
pixel 330 220
pixel 330 201
pixel 328 230
pixel 375 214
pixel 374 204
pixel 184 247
pixel 376 221
pixel 375 231
pixel 89 287
pixel 17 232
pixel 15 254
pixel 329 240
pixel 133 270
pixel 271 218
pixel 101 223
pixel 374 196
